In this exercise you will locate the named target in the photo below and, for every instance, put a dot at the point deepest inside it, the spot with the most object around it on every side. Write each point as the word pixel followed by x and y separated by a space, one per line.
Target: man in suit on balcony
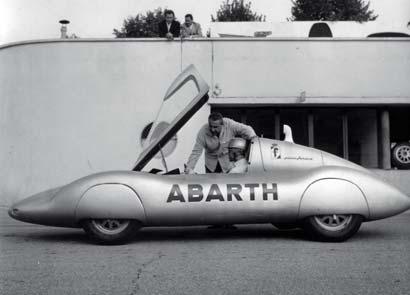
pixel 169 28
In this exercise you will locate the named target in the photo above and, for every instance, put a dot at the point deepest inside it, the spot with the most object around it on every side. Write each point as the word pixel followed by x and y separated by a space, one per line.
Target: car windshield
pixel 171 108
pixel 185 96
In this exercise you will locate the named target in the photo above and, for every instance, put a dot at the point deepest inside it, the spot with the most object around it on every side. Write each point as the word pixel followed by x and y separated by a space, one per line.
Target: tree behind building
pixel 141 26
pixel 237 11
pixel 332 10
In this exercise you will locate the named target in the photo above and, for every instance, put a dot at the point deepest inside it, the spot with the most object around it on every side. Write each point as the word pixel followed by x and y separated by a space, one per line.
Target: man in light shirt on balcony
pixel 190 29
pixel 214 137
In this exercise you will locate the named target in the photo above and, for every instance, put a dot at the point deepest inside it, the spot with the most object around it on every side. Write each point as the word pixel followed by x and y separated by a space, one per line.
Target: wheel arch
pixel 333 196
pixel 111 201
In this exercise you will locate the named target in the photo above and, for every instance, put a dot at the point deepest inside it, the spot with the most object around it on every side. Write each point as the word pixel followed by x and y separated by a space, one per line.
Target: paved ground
pixel 251 260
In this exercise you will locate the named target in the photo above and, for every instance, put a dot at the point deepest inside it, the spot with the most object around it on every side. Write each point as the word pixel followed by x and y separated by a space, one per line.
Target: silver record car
pixel 288 185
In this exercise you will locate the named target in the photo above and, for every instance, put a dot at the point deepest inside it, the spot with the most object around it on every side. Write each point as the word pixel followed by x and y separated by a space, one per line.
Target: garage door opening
pixel 350 133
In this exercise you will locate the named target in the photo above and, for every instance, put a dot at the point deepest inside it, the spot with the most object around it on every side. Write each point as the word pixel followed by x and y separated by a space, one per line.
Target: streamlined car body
pixel 286 184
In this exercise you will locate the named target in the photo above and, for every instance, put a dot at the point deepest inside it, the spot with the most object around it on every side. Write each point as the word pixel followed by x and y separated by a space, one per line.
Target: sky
pixel 38 19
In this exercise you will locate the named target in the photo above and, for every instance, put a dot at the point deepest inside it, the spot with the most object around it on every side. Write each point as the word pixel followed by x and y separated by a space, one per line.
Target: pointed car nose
pixel 386 200
pixel 35 209
pixel 402 201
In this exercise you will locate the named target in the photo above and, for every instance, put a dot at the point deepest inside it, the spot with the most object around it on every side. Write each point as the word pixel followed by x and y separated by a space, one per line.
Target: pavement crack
pixel 141 269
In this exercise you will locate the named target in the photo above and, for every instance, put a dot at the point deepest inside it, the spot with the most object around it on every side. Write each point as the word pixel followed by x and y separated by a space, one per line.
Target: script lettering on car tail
pixel 234 192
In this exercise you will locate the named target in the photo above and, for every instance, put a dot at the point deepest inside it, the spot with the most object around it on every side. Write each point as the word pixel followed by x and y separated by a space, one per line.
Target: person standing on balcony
pixel 190 28
pixel 169 28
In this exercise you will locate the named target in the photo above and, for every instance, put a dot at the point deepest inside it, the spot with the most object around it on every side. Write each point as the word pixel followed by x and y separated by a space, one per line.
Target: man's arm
pixel 242 130
pixel 177 29
pixel 184 33
pixel 198 31
pixel 240 166
pixel 238 169
pixel 196 151
pixel 161 31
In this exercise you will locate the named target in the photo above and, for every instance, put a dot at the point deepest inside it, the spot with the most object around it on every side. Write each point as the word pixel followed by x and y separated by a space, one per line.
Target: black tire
pixel 286 226
pixel 111 231
pixel 333 227
pixel 400 155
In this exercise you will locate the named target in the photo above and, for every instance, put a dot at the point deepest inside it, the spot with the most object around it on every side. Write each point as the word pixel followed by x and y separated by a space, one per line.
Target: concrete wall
pixel 69 108
pixel 326 71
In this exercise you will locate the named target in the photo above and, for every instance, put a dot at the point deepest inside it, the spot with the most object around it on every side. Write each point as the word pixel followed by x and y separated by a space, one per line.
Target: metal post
pixel 385 139
pixel 277 125
pixel 345 125
pixel 311 133
pixel 244 116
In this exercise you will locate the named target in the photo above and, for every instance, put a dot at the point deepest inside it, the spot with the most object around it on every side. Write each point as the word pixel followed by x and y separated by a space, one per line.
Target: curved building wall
pixel 69 109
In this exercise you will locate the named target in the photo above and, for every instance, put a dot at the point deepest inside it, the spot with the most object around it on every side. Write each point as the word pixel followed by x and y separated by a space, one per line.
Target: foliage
pixel 141 26
pixel 237 11
pixel 332 10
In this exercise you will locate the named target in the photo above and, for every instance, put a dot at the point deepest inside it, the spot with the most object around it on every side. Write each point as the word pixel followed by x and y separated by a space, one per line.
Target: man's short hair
pixel 215 116
pixel 189 15
pixel 169 11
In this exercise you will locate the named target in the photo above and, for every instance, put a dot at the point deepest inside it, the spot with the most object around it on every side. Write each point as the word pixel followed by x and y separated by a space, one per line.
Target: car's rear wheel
pixel 332 227
pixel 111 231
pixel 401 155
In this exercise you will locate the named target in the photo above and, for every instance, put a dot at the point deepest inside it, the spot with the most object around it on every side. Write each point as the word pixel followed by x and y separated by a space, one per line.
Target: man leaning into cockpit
pixel 214 137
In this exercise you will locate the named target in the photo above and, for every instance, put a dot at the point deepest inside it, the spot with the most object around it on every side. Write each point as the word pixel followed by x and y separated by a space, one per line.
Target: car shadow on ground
pixel 163 234
pixel 203 233
pixel 175 234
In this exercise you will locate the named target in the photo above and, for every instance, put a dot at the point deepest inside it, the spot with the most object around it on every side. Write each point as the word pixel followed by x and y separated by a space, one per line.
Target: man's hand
pixel 169 36
pixel 188 170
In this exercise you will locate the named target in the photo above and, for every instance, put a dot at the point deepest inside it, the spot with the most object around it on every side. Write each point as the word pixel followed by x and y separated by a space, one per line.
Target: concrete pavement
pixel 254 259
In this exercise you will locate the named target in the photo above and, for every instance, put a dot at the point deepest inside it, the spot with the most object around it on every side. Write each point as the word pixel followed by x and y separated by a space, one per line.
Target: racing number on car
pixel 234 192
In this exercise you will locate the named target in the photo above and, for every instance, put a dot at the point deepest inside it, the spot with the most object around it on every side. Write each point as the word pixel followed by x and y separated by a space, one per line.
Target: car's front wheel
pixel 333 227
pixel 111 231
